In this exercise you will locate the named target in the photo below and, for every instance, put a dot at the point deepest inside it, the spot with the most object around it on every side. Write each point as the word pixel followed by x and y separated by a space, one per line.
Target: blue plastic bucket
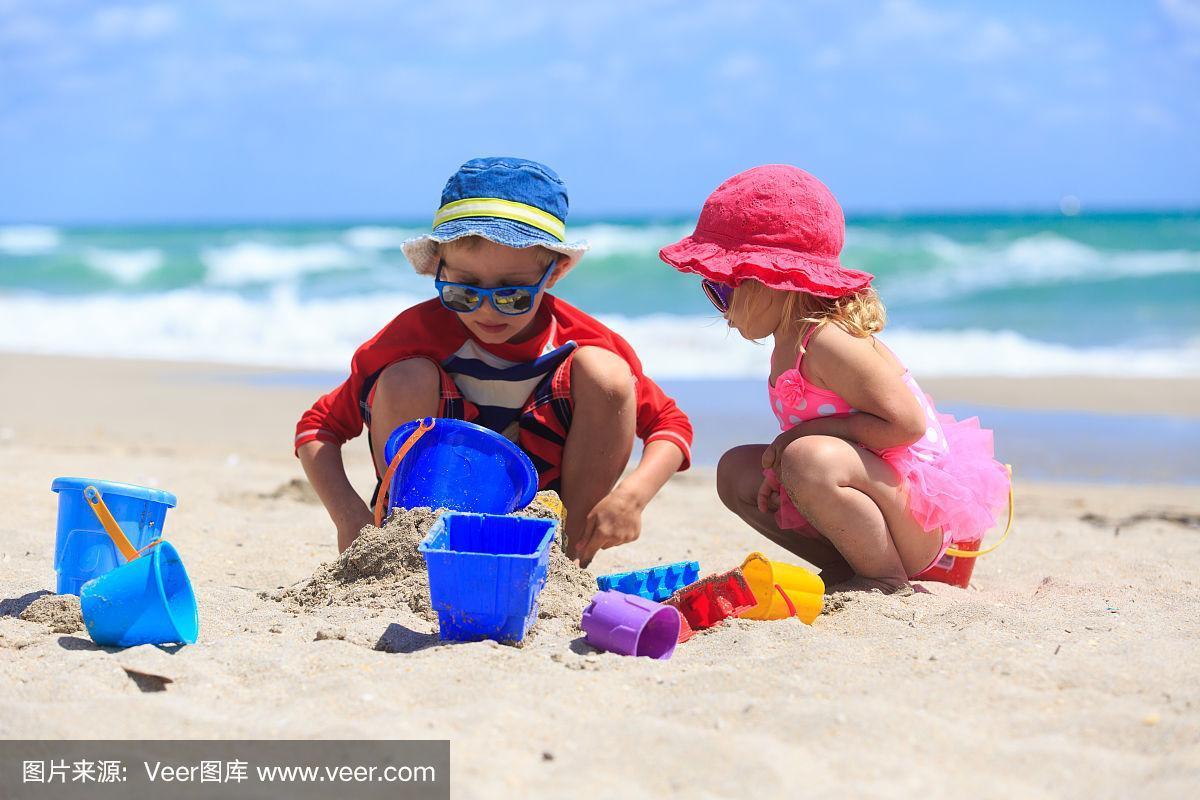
pixel 485 573
pixel 460 466
pixel 147 601
pixel 82 550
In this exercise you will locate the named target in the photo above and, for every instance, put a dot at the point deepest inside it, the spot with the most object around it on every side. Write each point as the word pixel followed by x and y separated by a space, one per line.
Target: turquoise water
pixel 1041 445
pixel 968 294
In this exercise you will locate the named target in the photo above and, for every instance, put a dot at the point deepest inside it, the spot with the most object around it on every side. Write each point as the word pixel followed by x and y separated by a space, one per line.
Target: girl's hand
pixel 615 520
pixel 771 456
pixel 768 495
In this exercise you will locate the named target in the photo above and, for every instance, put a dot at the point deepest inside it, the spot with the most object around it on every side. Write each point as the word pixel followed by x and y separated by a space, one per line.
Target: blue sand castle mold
pixel 652 583
pixel 460 466
pixel 485 573
pixel 82 550
pixel 146 601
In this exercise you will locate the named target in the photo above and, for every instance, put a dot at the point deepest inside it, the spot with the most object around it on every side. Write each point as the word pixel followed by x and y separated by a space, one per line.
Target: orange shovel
pixel 94 499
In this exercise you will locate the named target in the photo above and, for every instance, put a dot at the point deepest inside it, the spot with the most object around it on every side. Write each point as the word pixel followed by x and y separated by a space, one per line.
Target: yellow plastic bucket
pixel 782 590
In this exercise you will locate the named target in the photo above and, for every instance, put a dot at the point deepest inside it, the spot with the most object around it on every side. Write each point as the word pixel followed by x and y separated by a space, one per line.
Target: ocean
pixel 1007 295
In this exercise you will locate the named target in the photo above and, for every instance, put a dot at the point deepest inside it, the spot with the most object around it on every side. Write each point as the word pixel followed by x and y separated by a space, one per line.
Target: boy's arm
pixel 617 518
pixel 659 419
pixel 337 416
pixel 660 460
pixel 322 462
pixel 320 434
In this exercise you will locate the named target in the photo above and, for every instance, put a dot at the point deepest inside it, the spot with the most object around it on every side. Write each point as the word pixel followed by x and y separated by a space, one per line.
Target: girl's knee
pixel 739 474
pixel 601 376
pixel 727 477
pixel 812 463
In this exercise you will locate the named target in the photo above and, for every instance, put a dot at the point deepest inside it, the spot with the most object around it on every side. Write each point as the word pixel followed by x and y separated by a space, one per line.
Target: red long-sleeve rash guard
pixel 429 330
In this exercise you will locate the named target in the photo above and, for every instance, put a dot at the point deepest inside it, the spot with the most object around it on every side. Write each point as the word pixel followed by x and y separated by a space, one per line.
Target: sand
pixel 59 613
pixel 383 570
pixel 1067 670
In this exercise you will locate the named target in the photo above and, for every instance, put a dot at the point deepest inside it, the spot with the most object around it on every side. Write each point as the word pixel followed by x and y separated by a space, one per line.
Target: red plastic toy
pixel 954 570
pixel 708 601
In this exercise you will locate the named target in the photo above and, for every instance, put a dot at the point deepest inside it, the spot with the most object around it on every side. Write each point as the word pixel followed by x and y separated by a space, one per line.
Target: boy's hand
pixel 616 519
pixel 322 462
pixel 348 528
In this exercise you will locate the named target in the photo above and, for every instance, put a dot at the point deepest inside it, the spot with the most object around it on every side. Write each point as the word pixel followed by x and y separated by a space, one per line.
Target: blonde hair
pixel 860 314
pixel 471 241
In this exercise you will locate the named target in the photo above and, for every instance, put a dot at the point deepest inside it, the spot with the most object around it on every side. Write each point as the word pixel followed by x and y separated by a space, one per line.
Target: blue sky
pixel 318 109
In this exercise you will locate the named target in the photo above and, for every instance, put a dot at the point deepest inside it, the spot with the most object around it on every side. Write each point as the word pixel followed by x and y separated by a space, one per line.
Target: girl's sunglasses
pixel 463 298
pixel 719 293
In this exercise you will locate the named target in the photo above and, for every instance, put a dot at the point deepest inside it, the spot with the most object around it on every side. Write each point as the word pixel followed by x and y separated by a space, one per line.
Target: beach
pixel 215 213
pixel 1066 670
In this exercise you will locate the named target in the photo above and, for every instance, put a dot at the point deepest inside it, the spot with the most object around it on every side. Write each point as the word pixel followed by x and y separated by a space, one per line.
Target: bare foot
pixel 833 575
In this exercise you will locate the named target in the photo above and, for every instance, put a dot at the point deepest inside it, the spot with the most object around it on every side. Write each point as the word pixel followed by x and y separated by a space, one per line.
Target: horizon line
pixel 863 214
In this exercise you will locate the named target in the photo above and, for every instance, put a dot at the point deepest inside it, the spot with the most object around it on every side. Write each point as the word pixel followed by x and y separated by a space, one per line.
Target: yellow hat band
pixel 502 209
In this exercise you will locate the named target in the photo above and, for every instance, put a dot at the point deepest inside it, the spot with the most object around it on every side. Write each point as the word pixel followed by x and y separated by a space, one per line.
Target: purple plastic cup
pixel 630 625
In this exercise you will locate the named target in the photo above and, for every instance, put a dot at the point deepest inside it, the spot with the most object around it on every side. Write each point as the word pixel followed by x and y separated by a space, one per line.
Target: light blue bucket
pixel 147 601
pixel 82 550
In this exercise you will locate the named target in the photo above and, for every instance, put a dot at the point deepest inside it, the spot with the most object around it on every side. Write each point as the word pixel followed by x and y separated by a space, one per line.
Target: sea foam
pixel 125 266
pixel 282 329
pixel 256 262
pixel 27 240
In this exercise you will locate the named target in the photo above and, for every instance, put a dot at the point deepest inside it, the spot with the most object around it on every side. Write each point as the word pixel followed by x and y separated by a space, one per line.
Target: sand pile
pixel 569 588
pixel 59 612
pixel 383 570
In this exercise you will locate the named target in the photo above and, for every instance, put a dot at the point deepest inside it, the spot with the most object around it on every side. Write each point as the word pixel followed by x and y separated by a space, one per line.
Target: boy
pixel 495 349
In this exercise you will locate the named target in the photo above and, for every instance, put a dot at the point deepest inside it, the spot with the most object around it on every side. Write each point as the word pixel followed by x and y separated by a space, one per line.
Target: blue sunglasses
pixel 463 298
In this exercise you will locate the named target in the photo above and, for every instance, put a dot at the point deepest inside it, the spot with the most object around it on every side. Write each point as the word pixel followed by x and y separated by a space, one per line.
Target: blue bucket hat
pixel 510 201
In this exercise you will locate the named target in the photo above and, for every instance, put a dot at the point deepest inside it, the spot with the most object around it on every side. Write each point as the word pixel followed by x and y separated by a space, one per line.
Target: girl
pixel 866 478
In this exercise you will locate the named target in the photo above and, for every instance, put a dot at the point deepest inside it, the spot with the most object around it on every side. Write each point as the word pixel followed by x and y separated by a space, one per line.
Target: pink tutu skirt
pixel 962 491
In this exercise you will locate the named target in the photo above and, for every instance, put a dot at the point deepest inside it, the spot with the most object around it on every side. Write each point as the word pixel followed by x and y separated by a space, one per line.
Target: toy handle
pixel 96 501
pixel 382 500
pixel 792 612
pixel 954 551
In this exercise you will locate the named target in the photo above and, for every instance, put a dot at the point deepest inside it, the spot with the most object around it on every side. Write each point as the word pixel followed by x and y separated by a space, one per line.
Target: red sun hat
pixel 775 224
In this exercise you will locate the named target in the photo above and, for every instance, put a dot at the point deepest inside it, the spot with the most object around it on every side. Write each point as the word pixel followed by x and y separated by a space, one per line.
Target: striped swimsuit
pixel 521 390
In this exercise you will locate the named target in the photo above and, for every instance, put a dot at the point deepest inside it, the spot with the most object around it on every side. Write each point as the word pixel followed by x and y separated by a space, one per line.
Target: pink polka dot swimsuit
pixel 951 477
pixel 794 400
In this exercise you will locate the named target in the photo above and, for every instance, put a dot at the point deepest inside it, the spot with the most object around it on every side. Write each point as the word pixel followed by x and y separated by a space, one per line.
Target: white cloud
pixel 953 34
pixel 904 21
pixel 119 23
pixel 828 58
pixel 1185 17
pixel 26 29
pixel 992 40
pixel 1153 115
pixel 1185 13
pixel 739 67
